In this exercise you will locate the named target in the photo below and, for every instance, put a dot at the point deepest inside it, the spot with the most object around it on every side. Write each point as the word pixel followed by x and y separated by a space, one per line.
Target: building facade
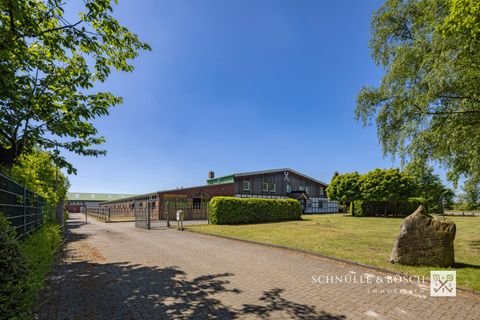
pixel 278 184
pixel 272 184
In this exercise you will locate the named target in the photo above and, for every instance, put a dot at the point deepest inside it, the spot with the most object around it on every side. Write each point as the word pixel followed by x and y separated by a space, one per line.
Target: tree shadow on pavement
pixel 274 302
pixel 84 290
pixel 71 236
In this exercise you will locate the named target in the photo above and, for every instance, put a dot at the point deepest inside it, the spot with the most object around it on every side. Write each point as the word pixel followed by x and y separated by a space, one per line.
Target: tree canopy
pixel 470 198
pixel 386 185
pixel 38 173
pixel 429 186
pixel 376 185
pixel 390 185
pixel 427 105
pixel 49 64
pixel 344 187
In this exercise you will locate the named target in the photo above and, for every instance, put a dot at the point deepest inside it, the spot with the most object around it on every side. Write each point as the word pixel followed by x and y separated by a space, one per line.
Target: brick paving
pixel 115 271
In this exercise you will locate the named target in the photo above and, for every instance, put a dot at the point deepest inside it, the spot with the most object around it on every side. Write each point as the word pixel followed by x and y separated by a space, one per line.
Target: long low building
pixel 78 200
pixel 273 184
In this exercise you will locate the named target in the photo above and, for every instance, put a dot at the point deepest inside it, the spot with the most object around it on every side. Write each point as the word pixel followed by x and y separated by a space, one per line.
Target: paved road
pixel 114 271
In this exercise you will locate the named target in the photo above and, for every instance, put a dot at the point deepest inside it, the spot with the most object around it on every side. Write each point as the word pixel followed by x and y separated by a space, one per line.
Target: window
pixel 265 187
pixel 289 188
pixel 197 203
pixel 246 185
pixel 273 187
pixel 301 188
pixel 322 191
pixel 307 189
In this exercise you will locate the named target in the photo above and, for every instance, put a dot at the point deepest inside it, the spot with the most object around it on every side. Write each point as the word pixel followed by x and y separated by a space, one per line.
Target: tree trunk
pixel 7 158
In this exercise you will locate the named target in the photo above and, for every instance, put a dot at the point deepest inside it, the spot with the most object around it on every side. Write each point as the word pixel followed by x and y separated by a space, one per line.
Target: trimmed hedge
pixel 360 208
pixel 231 210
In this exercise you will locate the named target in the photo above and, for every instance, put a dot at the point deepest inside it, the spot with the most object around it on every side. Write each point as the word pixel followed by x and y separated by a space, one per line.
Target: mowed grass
pixel 365 240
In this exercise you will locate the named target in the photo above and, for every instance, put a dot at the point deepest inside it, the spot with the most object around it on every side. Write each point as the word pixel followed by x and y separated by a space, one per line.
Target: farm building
pixel 279 184
pixel 77 200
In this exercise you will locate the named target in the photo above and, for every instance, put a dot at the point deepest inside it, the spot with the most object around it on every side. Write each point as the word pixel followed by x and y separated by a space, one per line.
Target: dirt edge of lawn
pixel 473 292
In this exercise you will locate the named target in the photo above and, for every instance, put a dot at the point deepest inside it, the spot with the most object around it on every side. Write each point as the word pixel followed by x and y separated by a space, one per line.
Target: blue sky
pixel 234 86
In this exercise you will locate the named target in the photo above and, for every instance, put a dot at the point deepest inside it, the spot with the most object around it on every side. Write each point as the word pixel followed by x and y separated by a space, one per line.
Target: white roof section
pixel 86 196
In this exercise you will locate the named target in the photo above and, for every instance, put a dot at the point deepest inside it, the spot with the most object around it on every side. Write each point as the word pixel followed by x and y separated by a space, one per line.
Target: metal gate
pixel 145 213
pixel 148 216
pixel 141 218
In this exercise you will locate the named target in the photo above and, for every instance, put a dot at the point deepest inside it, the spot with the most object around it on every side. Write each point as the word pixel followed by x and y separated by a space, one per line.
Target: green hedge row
pixel 231 210
pixel 360 208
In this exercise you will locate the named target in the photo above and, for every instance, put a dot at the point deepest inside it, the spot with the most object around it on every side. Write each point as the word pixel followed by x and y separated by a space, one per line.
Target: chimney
pixel 211 174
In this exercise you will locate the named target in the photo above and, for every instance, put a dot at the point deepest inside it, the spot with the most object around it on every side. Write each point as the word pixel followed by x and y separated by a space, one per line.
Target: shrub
pixel 24 267
pixel 12 270
pixel 401 208
pixel 231 210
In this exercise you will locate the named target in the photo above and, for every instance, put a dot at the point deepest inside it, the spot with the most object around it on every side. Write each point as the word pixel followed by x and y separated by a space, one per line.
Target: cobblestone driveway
pixel 114 271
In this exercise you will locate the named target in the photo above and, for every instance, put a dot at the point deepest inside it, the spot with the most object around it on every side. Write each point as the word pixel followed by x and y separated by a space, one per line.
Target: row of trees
pixel 416 180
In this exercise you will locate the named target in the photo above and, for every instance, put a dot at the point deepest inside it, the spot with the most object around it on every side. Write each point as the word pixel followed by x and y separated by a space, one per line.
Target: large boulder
pixel 424 241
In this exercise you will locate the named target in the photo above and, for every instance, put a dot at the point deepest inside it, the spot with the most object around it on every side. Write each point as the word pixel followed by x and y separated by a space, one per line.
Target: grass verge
pixel 364 240
pixel 39 251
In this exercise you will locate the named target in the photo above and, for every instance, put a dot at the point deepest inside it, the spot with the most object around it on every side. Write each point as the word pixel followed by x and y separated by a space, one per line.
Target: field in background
pixel 364 240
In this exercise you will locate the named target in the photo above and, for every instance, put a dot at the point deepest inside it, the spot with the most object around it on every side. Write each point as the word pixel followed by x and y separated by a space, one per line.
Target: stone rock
pixel 424 241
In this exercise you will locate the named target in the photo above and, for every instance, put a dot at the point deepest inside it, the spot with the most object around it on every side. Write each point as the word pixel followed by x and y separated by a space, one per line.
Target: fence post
pixel 36 211
pixel 24 210
pixel 148 215
pixel 208 213
pixel 168 213
pixel 109 213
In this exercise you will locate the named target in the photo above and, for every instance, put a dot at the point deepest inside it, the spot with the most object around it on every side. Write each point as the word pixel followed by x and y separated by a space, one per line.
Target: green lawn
pixel 364 240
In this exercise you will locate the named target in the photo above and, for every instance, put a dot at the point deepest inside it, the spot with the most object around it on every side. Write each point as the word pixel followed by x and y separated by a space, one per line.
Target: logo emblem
pixel 443 283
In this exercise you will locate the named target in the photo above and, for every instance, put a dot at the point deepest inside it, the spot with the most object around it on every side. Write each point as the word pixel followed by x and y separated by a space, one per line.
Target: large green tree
pixel 386 185
pixel 470 197
pixel 50 60
pixel 429 186
pixel 344 187
pixel 428 102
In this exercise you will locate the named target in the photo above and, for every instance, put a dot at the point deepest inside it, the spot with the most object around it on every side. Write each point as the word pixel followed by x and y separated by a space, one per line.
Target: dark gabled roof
pixel 278 170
